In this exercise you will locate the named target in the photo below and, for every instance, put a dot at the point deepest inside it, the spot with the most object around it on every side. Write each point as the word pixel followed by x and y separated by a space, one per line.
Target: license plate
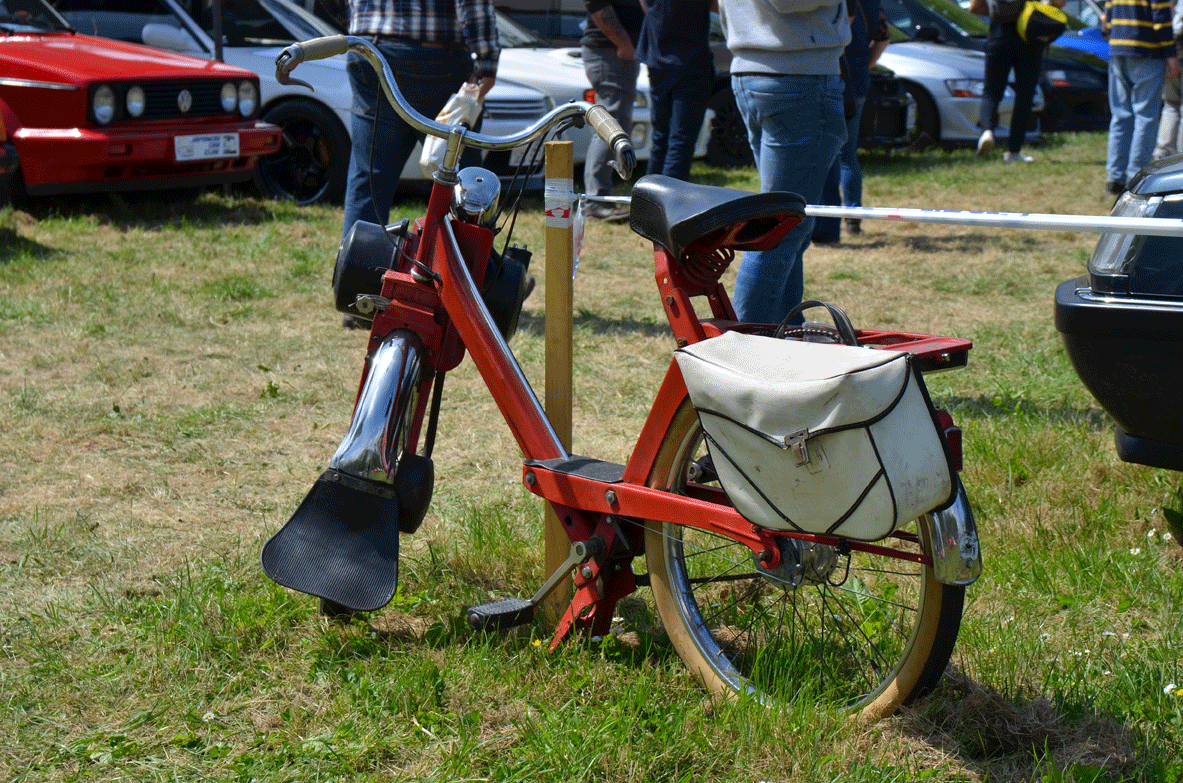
pixel 205 146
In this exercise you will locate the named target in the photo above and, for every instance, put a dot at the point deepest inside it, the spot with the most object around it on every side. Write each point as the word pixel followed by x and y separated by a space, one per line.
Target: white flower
pixel 1167 691
pixel 1135 550
pixel 1153 532
pixel 207 717
pixel 1167 536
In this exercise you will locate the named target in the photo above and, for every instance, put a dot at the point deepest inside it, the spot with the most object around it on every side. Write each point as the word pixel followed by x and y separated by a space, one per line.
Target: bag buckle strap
pixel 796 442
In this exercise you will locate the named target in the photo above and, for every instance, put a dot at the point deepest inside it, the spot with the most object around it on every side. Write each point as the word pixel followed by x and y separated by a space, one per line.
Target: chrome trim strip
pixel 1088 295
pixel 9 82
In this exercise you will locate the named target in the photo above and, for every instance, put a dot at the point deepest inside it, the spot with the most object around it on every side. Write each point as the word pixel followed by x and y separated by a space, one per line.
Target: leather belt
pixel 454 46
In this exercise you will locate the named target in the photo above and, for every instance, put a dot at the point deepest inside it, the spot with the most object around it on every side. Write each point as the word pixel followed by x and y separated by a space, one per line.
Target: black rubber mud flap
pixel 340 545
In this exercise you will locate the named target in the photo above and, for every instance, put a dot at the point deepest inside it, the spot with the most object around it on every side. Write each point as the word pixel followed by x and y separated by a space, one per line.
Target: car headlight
pixel 640 135
pixel 966 88
pixel 102 105
pixel 248 98
pixel 1115 252
pixel 229 97
pixel 135 101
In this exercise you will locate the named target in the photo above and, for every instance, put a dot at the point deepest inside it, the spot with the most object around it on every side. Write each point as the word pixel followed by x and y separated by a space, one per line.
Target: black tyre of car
pixel 927 131
pixel 728 145
pixel 313 160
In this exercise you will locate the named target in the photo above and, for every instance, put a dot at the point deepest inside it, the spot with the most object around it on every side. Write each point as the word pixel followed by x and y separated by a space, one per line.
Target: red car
pixel 90 114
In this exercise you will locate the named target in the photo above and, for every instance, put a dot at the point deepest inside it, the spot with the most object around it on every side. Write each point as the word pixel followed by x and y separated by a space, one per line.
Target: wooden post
pixel 560 181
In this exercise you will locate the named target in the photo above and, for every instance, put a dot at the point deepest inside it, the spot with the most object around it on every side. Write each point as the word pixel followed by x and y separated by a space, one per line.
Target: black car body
pixel 1075 83
pixel 1122 323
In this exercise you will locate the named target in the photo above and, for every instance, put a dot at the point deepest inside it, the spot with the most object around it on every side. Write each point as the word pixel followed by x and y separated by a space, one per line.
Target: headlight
pixel 248 98
pixel 135 101
pixel 640 135
pixel 229 97
pixel 966 88
pixel 1115 252
pixel 103 105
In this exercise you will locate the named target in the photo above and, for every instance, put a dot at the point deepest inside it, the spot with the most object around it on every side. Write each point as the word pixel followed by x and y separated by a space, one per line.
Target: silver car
pixel 947 85
pixel 313 164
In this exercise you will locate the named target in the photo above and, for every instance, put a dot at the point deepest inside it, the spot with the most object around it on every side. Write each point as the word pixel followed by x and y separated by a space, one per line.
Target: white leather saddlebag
pixel 818 438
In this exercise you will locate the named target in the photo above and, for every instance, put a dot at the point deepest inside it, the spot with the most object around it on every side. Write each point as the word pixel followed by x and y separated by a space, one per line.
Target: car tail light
pixel 102 105
pixel 248 98
pixel 589 95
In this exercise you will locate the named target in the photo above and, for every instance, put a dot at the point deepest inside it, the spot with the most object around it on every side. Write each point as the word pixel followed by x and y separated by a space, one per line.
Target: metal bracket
pixel 796 442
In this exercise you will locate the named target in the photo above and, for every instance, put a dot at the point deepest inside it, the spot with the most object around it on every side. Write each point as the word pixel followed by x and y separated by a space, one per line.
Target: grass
pixel 173 378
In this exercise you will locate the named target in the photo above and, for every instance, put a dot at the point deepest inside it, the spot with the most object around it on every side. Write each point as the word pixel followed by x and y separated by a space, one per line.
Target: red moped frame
pixel 436 297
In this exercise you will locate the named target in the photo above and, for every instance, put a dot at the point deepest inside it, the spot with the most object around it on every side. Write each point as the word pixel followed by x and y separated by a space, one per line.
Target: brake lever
pixel 286 62
pixel 316 49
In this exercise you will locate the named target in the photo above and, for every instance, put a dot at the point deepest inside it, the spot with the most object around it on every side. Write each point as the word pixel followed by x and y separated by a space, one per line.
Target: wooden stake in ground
pixel 560 221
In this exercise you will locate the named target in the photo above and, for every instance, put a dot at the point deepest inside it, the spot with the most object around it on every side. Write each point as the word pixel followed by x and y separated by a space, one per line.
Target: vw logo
pixel 185 101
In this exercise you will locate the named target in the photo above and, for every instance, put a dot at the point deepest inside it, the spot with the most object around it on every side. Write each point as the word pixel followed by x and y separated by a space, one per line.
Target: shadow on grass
pixel 1007 406
pixel 535 324
pixel 13 246
pixel 1004 739
pixel 196 207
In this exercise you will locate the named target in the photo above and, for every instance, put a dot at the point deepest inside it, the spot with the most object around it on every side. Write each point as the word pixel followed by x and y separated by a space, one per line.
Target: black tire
pixel 867 634
pixel 313 161
pixel 728 145
pixel 927 130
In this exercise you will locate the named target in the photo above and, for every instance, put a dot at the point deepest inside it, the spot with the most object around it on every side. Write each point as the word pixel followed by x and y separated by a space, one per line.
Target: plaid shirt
pixel 470 22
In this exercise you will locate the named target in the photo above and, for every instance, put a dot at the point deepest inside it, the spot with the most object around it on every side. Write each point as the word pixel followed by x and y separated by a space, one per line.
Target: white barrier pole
pixel 1097 224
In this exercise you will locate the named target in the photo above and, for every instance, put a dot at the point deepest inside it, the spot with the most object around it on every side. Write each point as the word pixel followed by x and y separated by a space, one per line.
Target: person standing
pixel 675 47
pixel 429 45
pixel 1005 51
pixel 844 183
pixel 609 48
pixel 1141 58
pixel 787 81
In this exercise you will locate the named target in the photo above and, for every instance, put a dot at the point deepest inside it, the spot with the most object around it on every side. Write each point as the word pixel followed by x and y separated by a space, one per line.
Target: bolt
pixel 531 479
pixel 682 342
pixel 764 555
pixel 610 496
pixel 669 301
pixel 586 572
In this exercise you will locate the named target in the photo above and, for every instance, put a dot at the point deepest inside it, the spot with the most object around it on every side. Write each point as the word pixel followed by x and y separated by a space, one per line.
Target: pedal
pixel 499 615
pixel 510 612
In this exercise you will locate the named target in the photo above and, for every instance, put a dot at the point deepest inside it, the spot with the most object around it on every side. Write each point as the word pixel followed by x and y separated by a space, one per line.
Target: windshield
pixel 966 23
pixel 29 16
pixel 512 35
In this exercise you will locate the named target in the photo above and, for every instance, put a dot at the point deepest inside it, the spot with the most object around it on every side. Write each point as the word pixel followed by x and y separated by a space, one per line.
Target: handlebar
pixel 605 126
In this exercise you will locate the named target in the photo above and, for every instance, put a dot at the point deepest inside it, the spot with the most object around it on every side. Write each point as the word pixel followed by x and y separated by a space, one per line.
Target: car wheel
pixel 313 159
pixel 728 145
pixel 927 130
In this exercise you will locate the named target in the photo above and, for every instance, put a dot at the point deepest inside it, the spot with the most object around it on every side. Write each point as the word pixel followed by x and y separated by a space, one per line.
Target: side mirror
pixel 930 34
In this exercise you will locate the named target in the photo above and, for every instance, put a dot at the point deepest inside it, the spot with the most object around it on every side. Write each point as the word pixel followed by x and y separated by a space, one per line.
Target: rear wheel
pixel 851 630
pixel 927 130
pixel 313 159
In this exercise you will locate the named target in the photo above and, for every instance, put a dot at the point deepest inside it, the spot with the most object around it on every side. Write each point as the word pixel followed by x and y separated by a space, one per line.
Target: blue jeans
pixel 427 77
pixel 615 83
pixel 1135 99
pixel 677 105
pixel 795 127
pixel 844 183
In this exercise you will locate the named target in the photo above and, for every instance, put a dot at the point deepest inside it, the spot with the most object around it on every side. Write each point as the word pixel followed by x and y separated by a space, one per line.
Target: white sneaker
pixel 1016 157
pixel 985 143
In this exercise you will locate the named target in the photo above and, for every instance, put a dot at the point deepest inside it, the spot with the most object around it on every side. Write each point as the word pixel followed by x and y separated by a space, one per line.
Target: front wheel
pixel 852 630
pixel 312 162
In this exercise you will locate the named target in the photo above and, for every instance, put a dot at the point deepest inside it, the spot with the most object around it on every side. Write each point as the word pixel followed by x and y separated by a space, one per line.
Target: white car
pixel 947 84
pixel 313 163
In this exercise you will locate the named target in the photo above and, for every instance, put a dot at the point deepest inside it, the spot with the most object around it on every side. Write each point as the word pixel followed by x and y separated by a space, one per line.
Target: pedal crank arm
pixel 510 612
